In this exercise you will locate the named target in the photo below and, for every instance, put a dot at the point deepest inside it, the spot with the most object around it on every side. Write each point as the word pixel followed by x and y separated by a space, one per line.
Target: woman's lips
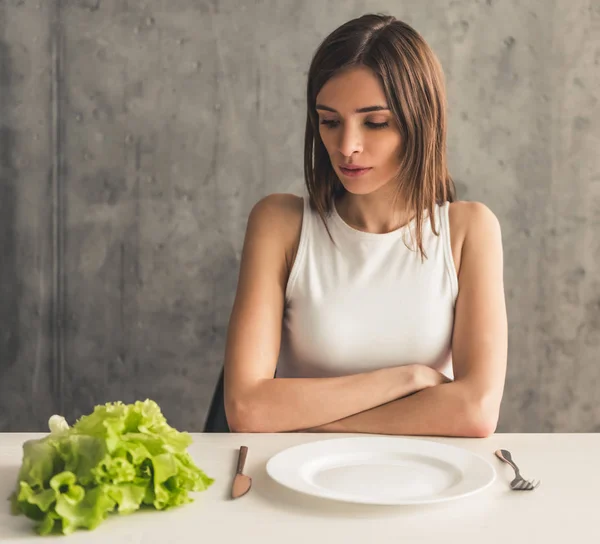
pixel 354 173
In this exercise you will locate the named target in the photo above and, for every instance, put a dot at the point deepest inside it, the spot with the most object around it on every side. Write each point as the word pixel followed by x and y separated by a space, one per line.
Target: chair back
pixel 216 420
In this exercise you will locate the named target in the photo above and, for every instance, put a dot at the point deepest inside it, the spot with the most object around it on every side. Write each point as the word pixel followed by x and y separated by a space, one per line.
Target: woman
pixel 376 303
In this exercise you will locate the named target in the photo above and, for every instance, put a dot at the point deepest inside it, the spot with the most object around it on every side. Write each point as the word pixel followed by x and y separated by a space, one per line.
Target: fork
pixel 519 483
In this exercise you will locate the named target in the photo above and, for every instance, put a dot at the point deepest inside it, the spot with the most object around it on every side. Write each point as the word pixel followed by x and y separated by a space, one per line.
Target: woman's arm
pixel 292 404
pixel 470 405
pixel 254 400
pixel 444 410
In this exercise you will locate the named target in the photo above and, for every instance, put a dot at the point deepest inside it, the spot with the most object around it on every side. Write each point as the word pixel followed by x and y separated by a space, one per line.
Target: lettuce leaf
pixel 115 459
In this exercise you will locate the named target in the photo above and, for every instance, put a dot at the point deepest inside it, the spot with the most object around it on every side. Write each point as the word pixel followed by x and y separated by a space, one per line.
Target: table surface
pixel 563 508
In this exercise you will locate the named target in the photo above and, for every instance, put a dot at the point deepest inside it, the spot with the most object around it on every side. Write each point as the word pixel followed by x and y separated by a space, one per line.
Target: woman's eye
pixel 377 125
pixel 331 124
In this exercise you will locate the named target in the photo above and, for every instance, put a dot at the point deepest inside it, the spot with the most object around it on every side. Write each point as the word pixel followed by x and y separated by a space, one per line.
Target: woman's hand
pixel 429 377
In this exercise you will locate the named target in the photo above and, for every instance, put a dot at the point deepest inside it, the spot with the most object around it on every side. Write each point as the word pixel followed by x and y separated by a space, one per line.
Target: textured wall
pixel 136 135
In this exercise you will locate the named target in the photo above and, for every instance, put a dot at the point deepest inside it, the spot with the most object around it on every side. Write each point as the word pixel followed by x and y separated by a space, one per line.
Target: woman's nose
pixel 350 141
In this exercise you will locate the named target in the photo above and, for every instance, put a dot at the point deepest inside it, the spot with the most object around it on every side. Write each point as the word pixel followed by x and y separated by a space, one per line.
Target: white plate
pixel 381 470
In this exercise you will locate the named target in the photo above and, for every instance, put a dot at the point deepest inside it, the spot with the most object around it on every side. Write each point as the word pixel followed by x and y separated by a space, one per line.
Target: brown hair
pixel 413 83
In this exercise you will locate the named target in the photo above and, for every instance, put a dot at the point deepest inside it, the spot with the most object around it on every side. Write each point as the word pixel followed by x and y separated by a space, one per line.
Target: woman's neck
pixel 373 213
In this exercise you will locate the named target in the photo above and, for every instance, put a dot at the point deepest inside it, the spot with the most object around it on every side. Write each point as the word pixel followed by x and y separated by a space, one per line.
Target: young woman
pixel 375 304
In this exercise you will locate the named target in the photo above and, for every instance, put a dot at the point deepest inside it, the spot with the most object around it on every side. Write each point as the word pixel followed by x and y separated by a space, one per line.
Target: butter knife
pixel 241 482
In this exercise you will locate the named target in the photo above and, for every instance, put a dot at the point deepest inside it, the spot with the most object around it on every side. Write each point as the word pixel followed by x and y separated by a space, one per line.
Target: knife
pixel 241 482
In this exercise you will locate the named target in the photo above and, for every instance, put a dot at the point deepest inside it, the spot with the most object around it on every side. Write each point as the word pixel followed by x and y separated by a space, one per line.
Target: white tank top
pixel 370 302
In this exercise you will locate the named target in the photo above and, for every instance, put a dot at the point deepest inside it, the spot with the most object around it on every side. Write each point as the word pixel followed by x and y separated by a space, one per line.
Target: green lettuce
pixel 118 458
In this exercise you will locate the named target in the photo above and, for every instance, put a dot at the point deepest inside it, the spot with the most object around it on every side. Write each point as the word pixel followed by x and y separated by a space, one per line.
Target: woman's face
pixel 370 139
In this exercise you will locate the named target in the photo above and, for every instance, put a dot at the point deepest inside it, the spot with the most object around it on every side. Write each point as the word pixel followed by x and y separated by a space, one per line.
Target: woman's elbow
pixel 236 424
pixel 483 428
pixel 238 419
pixel 241 418
pixel 483 421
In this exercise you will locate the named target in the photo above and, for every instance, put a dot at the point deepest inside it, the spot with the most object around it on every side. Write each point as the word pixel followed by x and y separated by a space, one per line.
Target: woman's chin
pixel 357 187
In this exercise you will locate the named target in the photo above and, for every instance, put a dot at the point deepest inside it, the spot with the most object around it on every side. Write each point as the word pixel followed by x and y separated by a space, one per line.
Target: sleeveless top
pixel 369 301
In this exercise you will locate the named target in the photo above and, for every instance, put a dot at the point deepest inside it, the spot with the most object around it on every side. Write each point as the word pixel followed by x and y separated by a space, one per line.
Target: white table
pixel 565 508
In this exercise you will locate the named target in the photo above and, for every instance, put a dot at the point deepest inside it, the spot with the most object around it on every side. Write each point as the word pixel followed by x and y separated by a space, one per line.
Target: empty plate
pixel 381 470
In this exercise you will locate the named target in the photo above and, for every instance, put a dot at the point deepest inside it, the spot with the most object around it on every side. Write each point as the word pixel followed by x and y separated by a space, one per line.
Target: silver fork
pixel 519 483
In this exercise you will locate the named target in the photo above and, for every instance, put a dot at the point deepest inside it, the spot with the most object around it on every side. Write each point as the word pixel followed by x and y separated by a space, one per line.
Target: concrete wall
pixel 135 136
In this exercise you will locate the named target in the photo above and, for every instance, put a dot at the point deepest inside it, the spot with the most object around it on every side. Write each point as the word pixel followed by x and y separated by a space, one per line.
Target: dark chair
pixel 216 420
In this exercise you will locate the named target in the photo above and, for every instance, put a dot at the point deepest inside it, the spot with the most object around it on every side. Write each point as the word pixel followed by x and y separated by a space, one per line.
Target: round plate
pixel 381 470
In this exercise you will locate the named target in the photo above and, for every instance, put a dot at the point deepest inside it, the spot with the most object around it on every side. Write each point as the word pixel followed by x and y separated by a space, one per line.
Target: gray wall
pixel 135 137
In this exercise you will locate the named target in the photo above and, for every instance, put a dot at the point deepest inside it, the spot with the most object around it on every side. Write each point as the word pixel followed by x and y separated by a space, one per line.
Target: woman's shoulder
pixel 466 216
pixel 282 213
pixel 469 214
pixel 279 208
